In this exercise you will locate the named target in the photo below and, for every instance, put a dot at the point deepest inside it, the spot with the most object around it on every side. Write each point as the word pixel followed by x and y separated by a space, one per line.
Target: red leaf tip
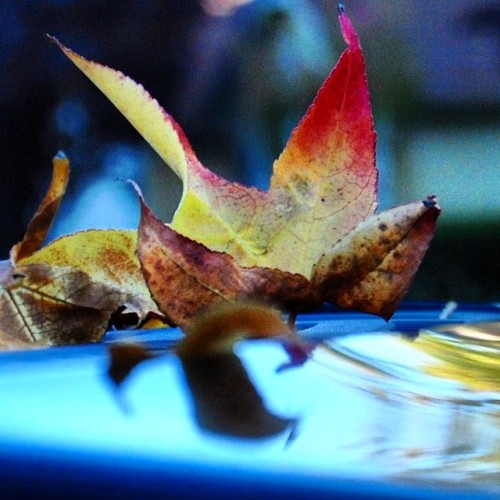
pixel 348 31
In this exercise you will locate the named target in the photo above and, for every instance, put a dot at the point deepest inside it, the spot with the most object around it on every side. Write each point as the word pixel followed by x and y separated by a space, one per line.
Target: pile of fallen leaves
pixel 313 237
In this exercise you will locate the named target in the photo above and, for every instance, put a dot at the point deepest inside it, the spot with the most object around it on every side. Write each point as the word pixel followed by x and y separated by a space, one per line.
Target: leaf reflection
pixel 225 400
pixel 124 358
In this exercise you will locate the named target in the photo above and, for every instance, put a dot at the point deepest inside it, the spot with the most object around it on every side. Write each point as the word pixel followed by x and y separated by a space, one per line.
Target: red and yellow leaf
pixel 323 183
pixel 313 236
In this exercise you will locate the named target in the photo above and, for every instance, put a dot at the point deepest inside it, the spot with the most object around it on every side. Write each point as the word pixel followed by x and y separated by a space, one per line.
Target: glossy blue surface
pixel 248 425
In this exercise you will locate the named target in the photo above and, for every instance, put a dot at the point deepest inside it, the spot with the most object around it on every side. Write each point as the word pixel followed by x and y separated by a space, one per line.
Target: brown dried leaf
pixel 369 270
pixel 67 292
pixel 106 256
pixel 186 278
pixel 55 305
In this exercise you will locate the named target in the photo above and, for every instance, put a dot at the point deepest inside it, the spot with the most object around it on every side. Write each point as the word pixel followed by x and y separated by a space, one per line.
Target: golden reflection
pixel 469 353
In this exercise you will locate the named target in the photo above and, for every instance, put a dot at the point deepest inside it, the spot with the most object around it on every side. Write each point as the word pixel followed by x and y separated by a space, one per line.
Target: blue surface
pixel 171 429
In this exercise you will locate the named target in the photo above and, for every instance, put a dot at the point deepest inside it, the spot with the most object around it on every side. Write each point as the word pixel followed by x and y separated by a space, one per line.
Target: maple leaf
pixel 67 291
pixel 312 237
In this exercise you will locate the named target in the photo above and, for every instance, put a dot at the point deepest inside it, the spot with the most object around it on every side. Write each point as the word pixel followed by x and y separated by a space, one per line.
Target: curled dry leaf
pixel 312 237
pixel 67 292
pixel 42 220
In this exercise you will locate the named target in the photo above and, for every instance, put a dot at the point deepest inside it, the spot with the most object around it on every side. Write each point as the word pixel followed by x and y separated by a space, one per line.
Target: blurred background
pixel 238 75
